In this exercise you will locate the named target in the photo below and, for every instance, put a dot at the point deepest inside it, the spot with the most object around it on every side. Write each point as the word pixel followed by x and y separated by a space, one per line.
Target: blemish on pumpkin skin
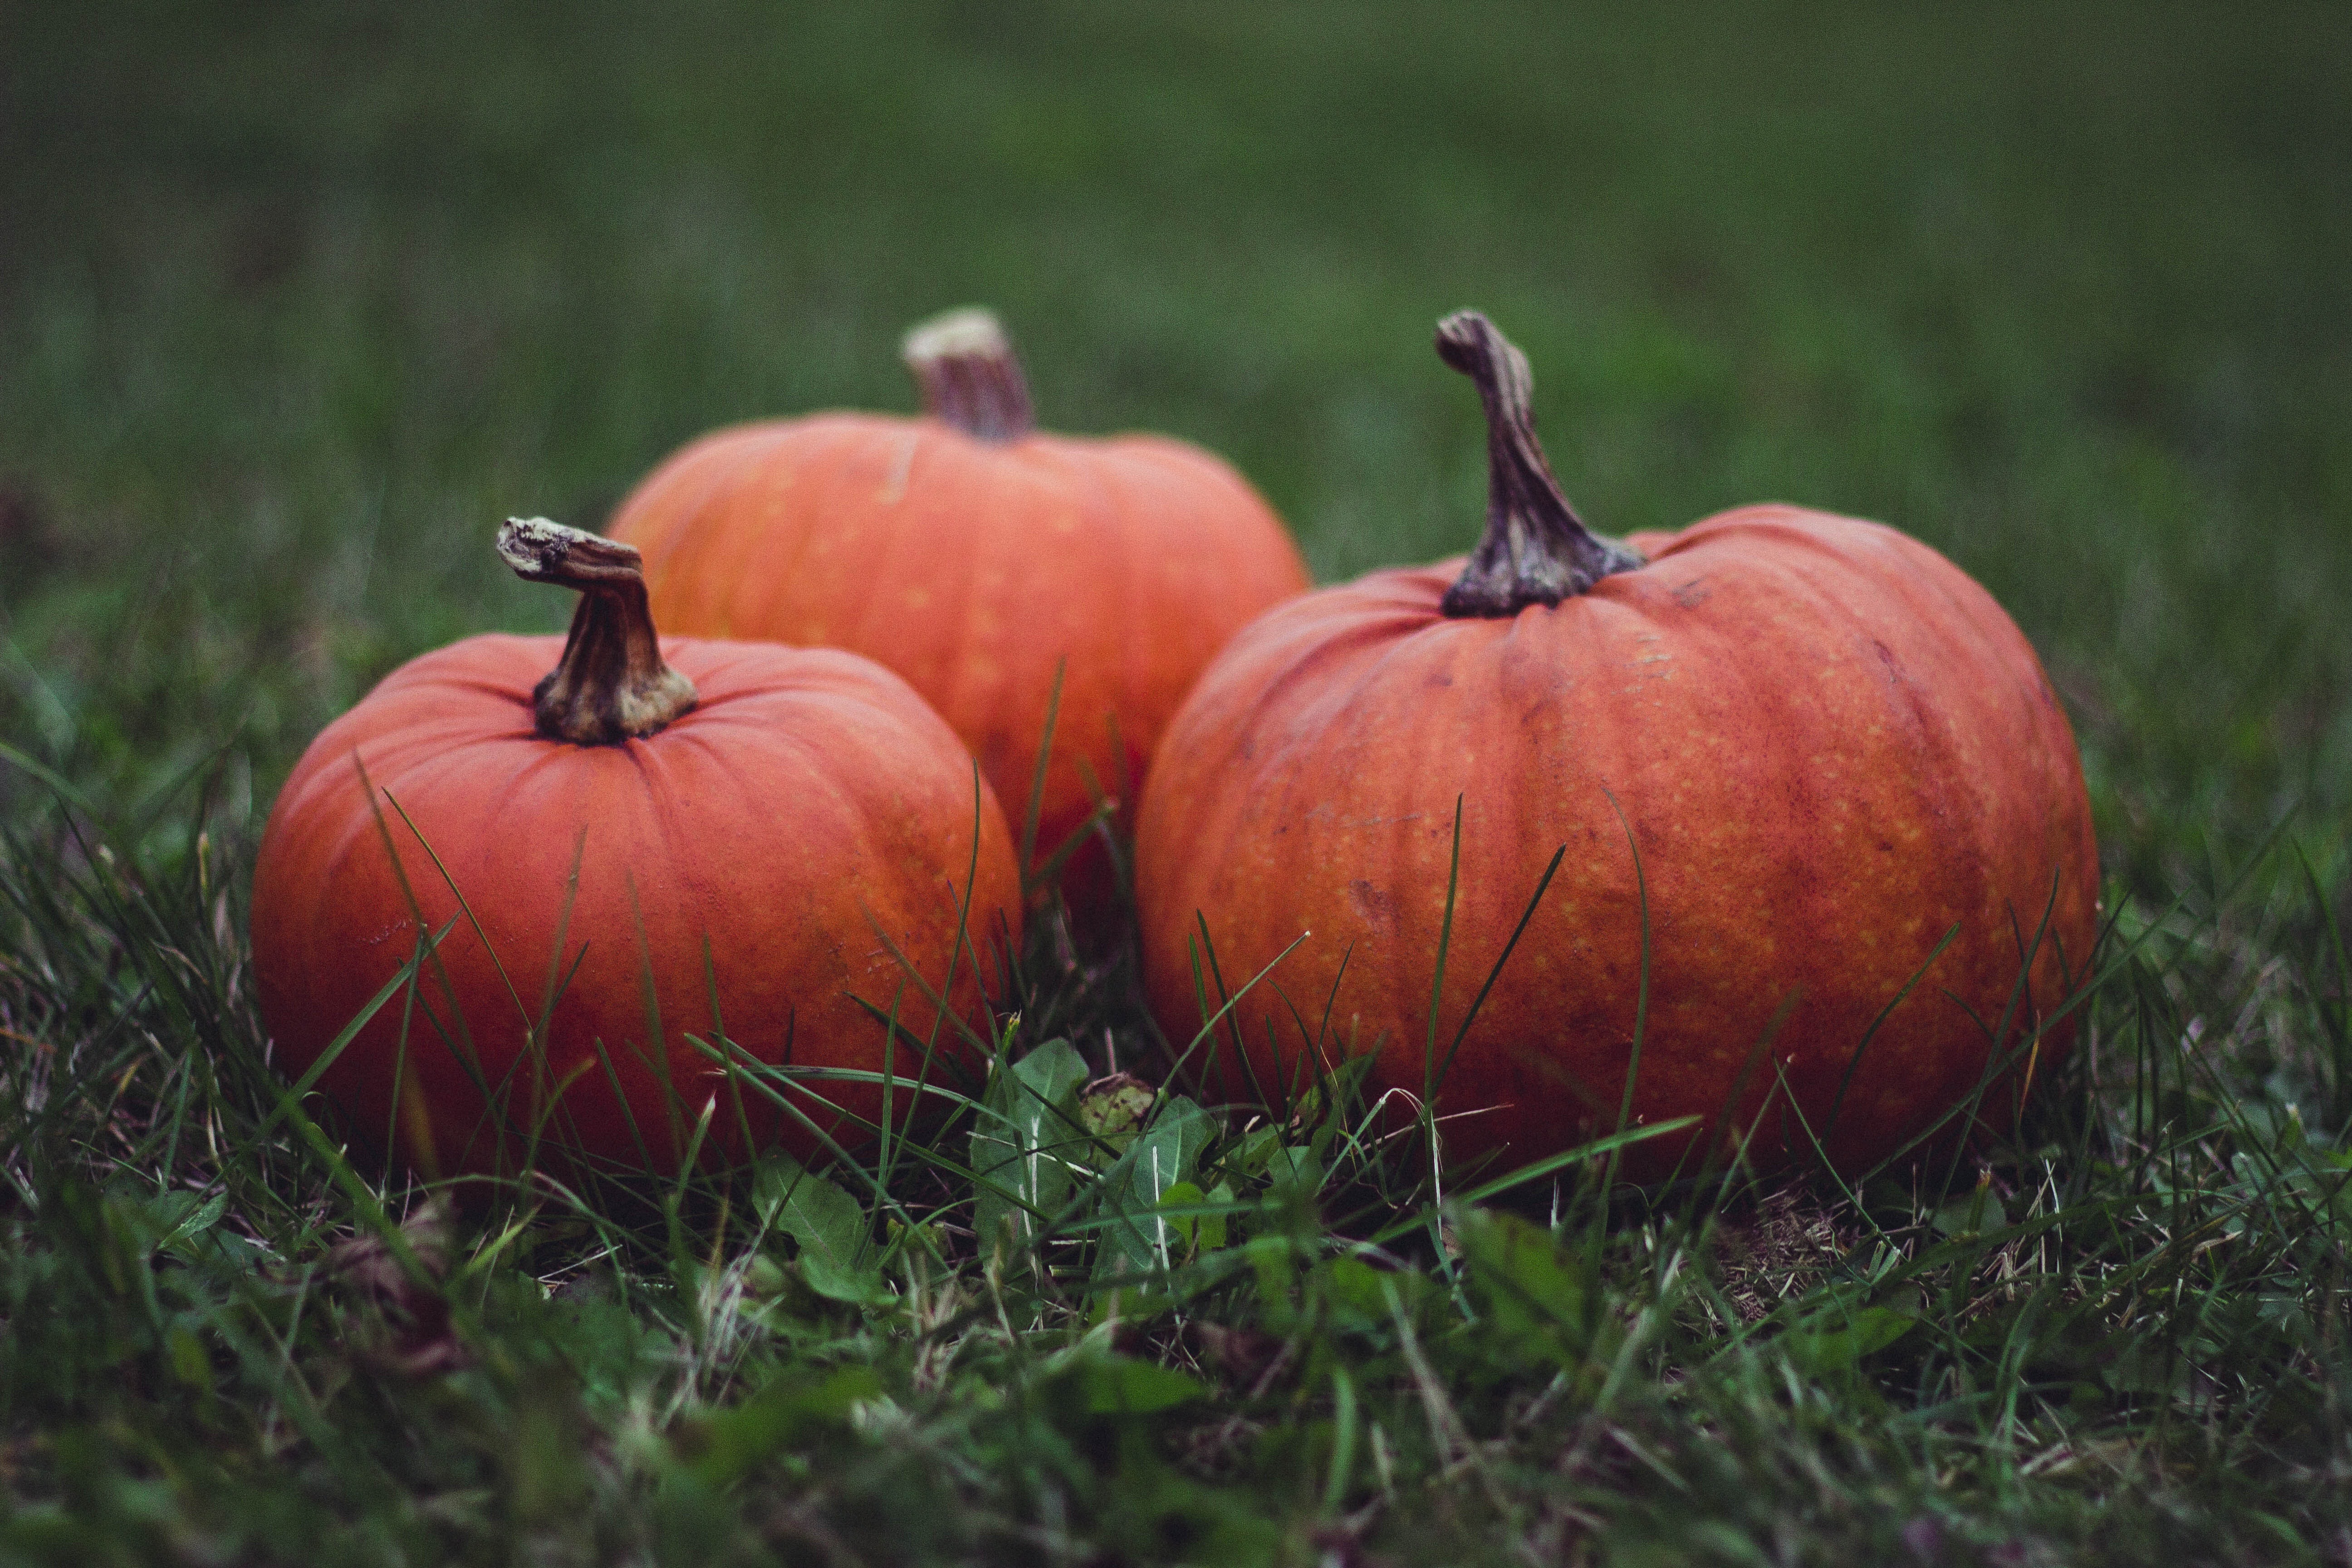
pixel 1376 907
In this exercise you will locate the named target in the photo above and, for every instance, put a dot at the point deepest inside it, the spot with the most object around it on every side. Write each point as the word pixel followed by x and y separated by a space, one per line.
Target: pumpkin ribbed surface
pixel 751 864
pixel 1830 746
pixel 976 566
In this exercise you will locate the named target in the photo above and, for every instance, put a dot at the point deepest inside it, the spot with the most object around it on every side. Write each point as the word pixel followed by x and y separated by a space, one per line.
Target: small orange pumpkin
pixel 1831 747
pixel 976 556
pixel 732 836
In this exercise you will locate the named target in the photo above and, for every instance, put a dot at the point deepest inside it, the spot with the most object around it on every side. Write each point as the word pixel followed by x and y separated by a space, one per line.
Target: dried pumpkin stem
pixel 1536 551
pixel 969 378
pixel 610 685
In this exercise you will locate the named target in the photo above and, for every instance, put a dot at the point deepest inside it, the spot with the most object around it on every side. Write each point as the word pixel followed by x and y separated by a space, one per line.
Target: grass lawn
pixel 297 303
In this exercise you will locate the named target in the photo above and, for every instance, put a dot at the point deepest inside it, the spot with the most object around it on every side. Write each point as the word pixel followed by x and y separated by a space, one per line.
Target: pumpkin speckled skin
pixel 808 807
pixel 974 568
pixel 1830 744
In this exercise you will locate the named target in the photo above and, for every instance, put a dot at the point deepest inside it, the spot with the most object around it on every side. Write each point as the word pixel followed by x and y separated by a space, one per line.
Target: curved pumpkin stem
pixel 1536 551
pixel 968 375
pixel 610 685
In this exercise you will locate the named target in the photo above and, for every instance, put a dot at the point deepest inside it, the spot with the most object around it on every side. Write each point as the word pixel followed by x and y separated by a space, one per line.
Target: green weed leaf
pixel 1021 1147
pixel 723 1447
pixel 1832 1343
pixel 1116 1385
pixel 1533 1295
pixel 836 1248
pixel 1164 1158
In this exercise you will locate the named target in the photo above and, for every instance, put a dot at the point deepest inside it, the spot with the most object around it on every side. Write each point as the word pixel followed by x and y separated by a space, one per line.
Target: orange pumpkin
pixel 735 839
pixel 1830 748
pixel 976 556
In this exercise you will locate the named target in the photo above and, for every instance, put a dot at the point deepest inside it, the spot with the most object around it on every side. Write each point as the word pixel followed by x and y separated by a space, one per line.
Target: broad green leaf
pixel 1296 1173
pixel 837 1251
pixel 1358 1296
pixel 1531 1290
pixel 1974 1212
pixel 1182 1196
pixel 189 1363
pixel 1117 1385
pixel 1257 1149
pixel 1179 1208
pixel 1275 1259
pixel 1211 1230
pixel 1836 1342
pixel 721 1449
pixel 1022 1144
pixel 1167 1153
pixel 198 1220
pixel 1213 1226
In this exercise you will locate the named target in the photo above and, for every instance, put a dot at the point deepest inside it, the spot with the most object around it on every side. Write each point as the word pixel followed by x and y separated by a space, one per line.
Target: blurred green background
pixel 297 301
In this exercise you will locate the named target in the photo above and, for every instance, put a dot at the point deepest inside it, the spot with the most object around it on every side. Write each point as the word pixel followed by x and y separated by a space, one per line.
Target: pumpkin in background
pixel 733 834
pixel 1831 747
pixel 975 555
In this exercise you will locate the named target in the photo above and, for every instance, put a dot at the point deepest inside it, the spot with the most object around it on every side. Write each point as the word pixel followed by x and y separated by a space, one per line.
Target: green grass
pixel 296 304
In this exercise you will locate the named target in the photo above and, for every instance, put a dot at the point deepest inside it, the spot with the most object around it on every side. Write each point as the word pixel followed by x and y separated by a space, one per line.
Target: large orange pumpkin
pixel 1830 748
pixel 737 839
pixel 976 556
